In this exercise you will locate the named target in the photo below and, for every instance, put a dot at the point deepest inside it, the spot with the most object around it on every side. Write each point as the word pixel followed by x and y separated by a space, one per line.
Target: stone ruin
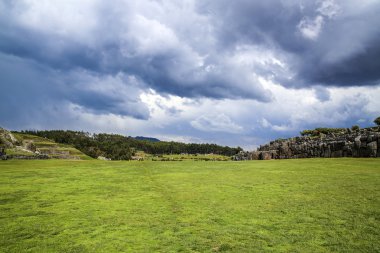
pixel 361 143
pixel 3 155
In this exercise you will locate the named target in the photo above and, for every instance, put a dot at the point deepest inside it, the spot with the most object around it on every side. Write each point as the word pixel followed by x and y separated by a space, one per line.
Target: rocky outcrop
pixel 242 156
pixel 363 143
pixel 6 139
pixel 3 155
pixel 103 158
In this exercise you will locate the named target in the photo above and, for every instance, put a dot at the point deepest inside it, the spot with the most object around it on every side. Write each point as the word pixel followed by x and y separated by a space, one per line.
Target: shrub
pixel 377 121
pixel 307 132
pixel 355 128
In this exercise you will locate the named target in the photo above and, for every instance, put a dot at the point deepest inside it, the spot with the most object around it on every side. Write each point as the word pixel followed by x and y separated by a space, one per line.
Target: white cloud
pixel 329 8
pixel 311 28
pixel 59 18
pixel 150 37
pixel 278 128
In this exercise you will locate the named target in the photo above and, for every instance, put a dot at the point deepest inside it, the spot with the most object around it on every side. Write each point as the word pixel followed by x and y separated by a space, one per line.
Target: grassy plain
pixel 309 205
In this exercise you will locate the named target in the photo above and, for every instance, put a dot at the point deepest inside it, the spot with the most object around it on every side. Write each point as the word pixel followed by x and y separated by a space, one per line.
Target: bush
pixel 307 132
pixel 355 128
pixel 322 130
pixel 377 121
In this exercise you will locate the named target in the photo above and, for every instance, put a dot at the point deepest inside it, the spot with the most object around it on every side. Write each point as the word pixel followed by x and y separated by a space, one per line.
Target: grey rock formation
pixel 242 156
pixel 3 155
pixel 6 140
pixel 363 143
pixel 26 157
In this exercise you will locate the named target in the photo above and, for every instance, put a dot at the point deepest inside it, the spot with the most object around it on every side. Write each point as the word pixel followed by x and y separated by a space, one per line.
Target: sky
pixel 237 73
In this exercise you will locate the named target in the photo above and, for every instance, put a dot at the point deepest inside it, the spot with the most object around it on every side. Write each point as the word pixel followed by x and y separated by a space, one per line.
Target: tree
pixel 306 132
pixel 355 128
pixel 377 121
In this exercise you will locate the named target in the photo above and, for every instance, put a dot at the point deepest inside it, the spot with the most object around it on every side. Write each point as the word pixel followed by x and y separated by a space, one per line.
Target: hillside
pixel 26 146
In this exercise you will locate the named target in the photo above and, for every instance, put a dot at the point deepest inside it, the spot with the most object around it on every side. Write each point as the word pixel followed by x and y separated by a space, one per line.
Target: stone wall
pixel 27 157
pixel 361 143
pixel 3 155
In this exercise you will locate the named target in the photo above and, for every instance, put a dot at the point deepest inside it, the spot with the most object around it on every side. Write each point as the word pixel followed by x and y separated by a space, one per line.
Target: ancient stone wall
pixel 361 143
pixel 28 157
pixel 3 155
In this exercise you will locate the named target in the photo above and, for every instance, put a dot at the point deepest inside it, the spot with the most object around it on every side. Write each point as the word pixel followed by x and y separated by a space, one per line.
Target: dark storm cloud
pixel 101 56
pixel 360 68
pixel 177 64
pixel 342 49
pixel 116 45
pixel 29 90
pixel 254 22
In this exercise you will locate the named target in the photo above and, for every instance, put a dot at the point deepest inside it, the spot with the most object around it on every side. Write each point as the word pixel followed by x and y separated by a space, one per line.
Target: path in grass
pixel 310 205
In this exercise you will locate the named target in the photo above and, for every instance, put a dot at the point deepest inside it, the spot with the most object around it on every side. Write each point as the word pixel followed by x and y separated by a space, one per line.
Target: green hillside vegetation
pixel 318 132
pixel 143 138
pixel 306 205
pixel 118 147
pixel 14 152
pixel 322 130
pixel 192 157
pixel 142 156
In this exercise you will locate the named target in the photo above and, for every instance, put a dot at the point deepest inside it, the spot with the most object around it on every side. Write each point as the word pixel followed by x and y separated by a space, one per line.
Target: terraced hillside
pixel 25 146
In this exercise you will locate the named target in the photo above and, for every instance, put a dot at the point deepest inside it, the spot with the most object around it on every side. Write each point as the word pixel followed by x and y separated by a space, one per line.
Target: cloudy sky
pixel 238 72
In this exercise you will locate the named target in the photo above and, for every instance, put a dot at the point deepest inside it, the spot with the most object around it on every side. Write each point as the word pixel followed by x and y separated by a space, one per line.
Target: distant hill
pixel 142 138
pixel 26 146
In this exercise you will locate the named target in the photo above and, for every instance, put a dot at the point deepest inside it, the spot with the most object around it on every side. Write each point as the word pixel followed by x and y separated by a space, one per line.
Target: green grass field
pixel 309 205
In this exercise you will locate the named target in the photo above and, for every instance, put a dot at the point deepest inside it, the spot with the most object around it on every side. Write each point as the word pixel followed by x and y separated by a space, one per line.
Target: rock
pixel 103 158
pixel 27 157
pixel 265 155
pixel 3 155
pixel 357 141
pixel 372 145
pixel 255 155
pixel 29 145
pixel 372 148
pixel 363 143
pixel 338 153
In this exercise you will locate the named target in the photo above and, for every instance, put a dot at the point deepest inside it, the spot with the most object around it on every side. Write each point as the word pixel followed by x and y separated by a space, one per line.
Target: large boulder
pixel 372 149
pixel 255 155
pixel 265 155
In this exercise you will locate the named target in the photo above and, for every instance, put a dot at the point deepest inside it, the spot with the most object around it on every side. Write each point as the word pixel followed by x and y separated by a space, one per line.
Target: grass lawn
pixel 308 205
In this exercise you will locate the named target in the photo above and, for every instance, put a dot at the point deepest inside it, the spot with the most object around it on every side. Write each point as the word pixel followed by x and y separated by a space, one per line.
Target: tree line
pixel 119 147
